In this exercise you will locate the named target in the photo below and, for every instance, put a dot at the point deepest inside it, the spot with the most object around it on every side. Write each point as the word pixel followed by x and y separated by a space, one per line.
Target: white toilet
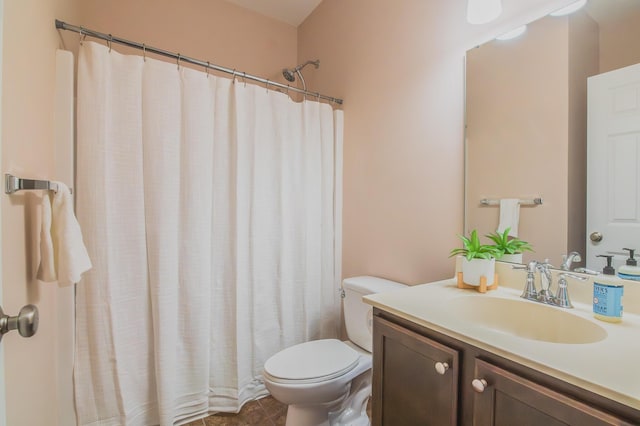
pixel 328 382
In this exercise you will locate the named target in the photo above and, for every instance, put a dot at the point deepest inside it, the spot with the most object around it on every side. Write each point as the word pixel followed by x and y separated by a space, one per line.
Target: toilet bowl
pixel 328 382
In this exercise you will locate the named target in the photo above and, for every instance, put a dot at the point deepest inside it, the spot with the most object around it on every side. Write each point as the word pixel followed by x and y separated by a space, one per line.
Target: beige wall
pixel 526 135
pixel 214 30
pixel 619 43
pixel 399 67
pixel 402 166
pixel 509 154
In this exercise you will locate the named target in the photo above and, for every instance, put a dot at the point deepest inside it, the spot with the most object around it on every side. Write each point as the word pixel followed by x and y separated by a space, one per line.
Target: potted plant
pixel 510 249
pixel 479 259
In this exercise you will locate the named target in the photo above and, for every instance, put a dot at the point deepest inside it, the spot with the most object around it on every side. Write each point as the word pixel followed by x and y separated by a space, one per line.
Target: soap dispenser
pixel 607 296
pixel 608 270
pixel 630 270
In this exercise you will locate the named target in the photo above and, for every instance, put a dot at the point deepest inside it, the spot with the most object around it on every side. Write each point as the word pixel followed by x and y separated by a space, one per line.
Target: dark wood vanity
pixel 424 377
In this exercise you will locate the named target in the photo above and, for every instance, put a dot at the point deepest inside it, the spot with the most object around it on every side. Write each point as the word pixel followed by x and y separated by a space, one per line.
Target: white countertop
pixel 608 367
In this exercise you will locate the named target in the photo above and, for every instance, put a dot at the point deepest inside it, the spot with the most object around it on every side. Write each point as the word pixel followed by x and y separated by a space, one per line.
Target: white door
pixel 613 165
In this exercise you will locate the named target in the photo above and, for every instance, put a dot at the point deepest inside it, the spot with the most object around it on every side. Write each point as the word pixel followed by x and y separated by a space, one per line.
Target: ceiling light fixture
pixel 513 33
pixel 569 9
pixel 483 11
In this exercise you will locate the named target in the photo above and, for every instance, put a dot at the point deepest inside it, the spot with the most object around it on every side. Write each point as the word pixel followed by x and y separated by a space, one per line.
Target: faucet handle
pixel 546 264
pixel 518 266
pixel 530 292
pixel 530 267
pixel 545 274
pixel 546 279
pixel 586 271
pixel 574 276
pixel 562 297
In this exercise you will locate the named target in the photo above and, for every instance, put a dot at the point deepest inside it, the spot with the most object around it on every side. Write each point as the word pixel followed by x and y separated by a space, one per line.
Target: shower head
pixel 290 73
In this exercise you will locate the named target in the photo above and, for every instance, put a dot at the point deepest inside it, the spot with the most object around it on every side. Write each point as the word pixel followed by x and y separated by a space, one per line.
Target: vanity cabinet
pixel 412 367
pixel 408 388
pixel 504 398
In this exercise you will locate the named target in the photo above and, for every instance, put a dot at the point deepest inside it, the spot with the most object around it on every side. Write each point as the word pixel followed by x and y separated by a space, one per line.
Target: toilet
pixel 328 382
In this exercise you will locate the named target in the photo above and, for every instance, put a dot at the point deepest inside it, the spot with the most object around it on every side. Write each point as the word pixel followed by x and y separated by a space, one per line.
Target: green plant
pixel 472 249
pixel 508 246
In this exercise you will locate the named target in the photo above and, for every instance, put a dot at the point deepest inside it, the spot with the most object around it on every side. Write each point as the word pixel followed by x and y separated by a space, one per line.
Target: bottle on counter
pixel 607 301
pixel 630 271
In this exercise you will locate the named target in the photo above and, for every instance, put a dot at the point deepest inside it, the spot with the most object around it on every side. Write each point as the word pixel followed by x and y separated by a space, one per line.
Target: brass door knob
pixel 596 237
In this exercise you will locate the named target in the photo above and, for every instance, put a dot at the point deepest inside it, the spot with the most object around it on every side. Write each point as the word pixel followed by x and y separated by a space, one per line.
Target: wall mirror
pixel 526 127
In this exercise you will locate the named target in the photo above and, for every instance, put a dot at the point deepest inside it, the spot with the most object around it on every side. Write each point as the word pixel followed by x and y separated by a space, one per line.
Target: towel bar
pixel 13 184
pixel 530 202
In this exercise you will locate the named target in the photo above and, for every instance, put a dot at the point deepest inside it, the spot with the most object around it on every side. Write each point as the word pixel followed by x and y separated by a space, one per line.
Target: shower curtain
pixel 209 213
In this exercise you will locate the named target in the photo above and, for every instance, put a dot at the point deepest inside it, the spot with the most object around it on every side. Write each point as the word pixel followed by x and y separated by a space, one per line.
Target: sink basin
pixel 529 320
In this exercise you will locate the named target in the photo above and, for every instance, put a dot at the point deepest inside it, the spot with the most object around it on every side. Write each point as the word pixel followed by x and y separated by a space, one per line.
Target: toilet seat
pixel 311 362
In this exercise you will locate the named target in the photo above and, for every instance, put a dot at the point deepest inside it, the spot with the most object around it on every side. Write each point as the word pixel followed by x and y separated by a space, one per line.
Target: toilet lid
pixel 318 359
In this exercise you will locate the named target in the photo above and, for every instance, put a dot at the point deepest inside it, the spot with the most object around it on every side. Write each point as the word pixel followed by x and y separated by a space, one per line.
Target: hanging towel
pixel 47 269
pixel 509 216
pixel 68 258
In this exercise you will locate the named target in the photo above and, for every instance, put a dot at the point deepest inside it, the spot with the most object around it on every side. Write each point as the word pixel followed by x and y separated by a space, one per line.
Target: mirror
pixel 526 122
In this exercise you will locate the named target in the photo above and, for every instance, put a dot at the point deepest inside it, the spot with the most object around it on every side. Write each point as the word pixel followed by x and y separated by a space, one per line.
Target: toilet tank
pixel 358 316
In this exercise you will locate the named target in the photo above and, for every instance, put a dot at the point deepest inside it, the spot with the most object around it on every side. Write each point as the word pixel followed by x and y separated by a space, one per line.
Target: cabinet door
pixel 506 399
pixel 415 379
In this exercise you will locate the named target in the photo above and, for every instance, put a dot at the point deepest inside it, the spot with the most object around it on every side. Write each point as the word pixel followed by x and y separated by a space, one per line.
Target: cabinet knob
pixel 441 367
pixel 479 385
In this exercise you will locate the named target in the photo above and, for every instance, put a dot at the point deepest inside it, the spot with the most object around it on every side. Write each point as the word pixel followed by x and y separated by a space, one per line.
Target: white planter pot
pixel 474 269
pixel 511 258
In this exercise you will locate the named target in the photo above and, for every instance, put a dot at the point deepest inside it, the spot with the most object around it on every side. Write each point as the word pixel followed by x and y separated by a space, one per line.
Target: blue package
pixel 607 301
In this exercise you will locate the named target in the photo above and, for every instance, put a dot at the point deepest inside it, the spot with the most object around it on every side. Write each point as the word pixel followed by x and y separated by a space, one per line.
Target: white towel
pixel 68 259
pixel 509 216
pixel 47 269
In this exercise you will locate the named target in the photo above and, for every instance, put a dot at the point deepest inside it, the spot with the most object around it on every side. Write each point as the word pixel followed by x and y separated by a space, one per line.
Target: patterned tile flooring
pixel 263 412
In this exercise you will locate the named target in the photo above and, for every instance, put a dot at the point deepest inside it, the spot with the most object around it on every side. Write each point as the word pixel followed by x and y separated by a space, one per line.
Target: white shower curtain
pixel 209 213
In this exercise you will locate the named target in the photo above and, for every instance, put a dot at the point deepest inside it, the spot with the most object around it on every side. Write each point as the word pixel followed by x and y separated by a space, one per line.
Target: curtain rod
pixel 113 39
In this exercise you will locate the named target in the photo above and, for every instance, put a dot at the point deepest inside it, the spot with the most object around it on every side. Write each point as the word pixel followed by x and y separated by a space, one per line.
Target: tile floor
pixel 263 412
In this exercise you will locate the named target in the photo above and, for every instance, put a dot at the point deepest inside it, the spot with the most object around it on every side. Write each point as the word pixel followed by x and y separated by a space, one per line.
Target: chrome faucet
pixel 568 259
pixel 545 295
